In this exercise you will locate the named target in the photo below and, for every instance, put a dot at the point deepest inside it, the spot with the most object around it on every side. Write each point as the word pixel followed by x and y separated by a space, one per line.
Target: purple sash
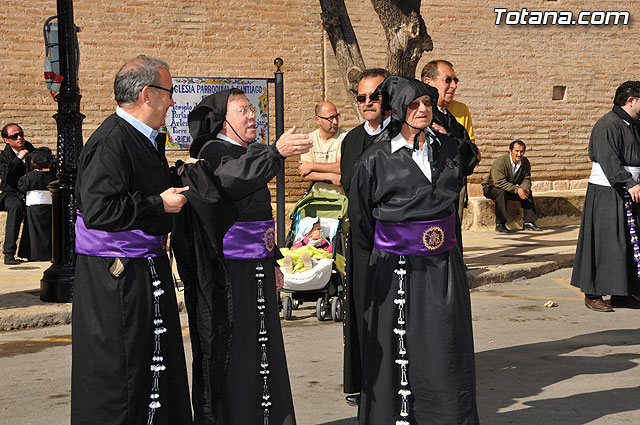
pixel 128 244
pixel 249 240
pixel 416 238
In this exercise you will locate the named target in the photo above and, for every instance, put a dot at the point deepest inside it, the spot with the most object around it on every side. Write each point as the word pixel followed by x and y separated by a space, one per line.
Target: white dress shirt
pixel 420 156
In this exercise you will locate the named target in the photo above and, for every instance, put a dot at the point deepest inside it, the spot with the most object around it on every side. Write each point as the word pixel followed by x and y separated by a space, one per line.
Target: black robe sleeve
pixel 607 147
pixel 455 130
pixel 360 209
pixel 242 173
pixel 120 178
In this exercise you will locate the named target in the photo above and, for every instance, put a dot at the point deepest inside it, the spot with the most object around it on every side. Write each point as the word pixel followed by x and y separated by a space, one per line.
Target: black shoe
pixel 10 260
pixel 531 226
pixel 353 399
pixel 628 301
pixel 501 228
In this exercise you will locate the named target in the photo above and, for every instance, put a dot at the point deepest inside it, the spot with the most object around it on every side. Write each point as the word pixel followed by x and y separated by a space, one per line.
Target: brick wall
pixel 507 73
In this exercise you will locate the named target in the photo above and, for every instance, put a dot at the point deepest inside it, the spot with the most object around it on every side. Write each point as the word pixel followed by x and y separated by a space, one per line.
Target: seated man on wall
pixel 13 165
pixel 322 162
pixel 510 179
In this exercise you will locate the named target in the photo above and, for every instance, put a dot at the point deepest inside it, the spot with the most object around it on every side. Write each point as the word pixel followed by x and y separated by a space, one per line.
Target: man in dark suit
pixel 353 145
pixel 13 165
pixel 510 179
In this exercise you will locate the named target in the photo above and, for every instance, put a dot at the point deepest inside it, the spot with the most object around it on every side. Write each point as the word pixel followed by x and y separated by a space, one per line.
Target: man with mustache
pixel 322 163
pixel 440 74
pixel 354 143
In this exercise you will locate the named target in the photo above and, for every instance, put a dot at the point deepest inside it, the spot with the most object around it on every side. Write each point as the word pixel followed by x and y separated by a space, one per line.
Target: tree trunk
pixel 404 28
pixel 336 22
pixel 406 33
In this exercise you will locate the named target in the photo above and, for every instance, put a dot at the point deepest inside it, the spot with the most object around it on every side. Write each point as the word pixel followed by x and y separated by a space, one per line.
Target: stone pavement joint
pixel 491 257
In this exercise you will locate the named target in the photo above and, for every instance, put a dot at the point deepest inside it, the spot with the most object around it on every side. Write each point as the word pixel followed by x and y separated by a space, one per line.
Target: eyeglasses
pixel 448 79
pixel 170 91
pixel 428 102
pixel 331 118
pixel 362 98
pixel 246 110
pixel 15 136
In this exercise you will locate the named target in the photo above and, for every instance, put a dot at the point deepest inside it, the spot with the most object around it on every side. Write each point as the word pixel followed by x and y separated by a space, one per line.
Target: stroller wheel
pixel 321 309
pixel 296 303
pixel 336 309
pixel 287 308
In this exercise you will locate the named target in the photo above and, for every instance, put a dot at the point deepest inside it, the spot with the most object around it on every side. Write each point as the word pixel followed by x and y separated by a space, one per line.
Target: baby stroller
pixel 324 284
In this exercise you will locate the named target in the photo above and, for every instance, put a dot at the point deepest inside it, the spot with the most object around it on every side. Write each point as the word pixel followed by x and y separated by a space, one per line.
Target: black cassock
pixel 353 145
pixel 35 243
pixel 390 187
pixel 120 177
pixel 244 174
pixel 197 244
pixel 604 263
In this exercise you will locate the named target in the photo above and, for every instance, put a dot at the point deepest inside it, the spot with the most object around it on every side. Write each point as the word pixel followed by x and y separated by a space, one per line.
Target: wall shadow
pixel 505 375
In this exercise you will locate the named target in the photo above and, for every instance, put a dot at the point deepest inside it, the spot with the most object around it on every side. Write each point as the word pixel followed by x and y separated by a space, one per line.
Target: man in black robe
pixel 128 364
pixel 604 263
pixel 256 387
pixel 13 165
pixel 354 143
pixel 440 74
pixel 418 346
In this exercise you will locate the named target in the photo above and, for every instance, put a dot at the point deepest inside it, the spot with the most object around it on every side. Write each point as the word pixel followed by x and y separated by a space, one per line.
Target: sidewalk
pixel 492 257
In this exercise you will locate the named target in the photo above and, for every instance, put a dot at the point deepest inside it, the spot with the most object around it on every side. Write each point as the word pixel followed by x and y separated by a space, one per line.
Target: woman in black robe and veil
pixel 418 344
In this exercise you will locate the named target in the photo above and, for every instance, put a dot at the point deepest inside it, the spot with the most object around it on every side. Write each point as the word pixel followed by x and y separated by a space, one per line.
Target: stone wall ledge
pixel 554 207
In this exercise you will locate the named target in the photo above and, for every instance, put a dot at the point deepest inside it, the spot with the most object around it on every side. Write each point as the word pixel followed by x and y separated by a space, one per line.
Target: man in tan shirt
pixel 322 163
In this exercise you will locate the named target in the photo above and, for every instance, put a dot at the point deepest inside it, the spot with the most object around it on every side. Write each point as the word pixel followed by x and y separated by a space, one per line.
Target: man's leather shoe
pixel 597 304
pixel 624 302
pixel 353 399
pixel 10 260
pixel 531 226
pixel 501 228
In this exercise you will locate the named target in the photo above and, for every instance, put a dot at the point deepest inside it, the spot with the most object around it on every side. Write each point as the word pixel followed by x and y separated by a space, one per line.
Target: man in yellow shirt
pixel 322 163
pixel 451 118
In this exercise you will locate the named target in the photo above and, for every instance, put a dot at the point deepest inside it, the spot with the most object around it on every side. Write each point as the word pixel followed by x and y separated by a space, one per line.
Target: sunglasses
pixel 15 136
pixel 362 98
pixel 170 91
pixel 428 102
pixel 449 79
pixel 331 118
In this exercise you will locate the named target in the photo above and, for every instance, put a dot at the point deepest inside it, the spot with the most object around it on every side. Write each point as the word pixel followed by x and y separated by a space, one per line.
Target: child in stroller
pixel 324 282
pixel 310 234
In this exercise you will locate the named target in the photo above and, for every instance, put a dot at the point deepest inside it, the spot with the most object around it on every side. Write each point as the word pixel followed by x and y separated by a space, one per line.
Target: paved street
pixel 535 365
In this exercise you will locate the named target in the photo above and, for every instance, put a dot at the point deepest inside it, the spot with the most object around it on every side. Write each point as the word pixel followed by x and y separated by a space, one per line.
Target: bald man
pixel 322 163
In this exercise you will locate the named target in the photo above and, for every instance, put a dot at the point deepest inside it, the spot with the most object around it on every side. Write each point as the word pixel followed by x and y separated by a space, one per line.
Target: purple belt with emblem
pixel 128 244
pixel 416 238
pixel 250 240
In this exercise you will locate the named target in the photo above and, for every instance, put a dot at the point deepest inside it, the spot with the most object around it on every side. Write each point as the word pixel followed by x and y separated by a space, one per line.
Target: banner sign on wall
pixel 189 91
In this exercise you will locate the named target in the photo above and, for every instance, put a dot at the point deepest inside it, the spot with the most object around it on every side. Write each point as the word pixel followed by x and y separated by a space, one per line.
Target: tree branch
pixel 406 34
pixel 336 22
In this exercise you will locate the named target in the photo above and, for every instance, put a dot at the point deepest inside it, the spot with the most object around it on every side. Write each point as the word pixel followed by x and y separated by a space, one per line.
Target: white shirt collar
pixel 147 131
pixel 227 139
pixel 514 166
pixel 371 132
pixel 399 141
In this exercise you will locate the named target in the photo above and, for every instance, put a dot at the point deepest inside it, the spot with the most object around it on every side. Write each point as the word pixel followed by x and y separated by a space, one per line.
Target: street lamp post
pixel 57 281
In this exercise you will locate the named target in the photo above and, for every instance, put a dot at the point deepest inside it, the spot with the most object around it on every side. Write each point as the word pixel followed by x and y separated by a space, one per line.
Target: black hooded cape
pixel 243 174
pixel 197 245
pixel 389 187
